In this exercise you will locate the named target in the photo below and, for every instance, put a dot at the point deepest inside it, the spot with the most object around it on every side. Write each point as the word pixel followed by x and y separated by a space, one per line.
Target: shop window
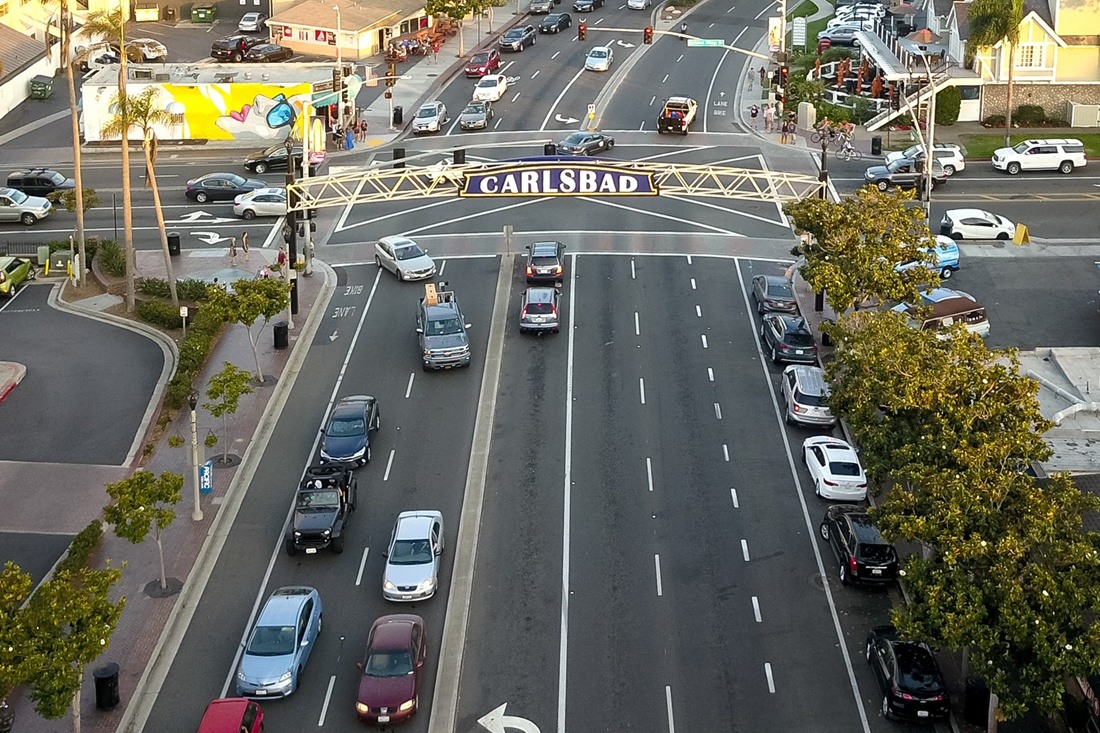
pixel 423 22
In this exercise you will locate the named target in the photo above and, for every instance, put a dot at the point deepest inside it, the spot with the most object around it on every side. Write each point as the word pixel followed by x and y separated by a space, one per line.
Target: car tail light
pixel 553 310
pixel 936 698
pixel 829 483
pixel 853 565
pixel 530 270
pixel 862 485
pixel 523 313
pixel 784 347
pixel 557 270
pixel 904 695
pixel 796 407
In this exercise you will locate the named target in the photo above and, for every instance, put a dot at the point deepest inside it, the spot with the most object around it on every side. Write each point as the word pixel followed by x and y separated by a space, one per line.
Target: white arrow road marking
pixel 566 120
pixel 335 334
pixel 721 94
pixel 209 237
pixel 207 218
pixel 624 44
pixel 497 722
pixel 561 95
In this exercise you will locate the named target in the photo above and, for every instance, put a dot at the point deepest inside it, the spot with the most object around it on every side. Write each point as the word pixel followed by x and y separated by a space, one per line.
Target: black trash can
pixel 282 334
pixel 174 244
pixel 170 14
pixel 549 149
pixel 876 145
pixel 976 707
pixel 460 156
pixel 398 115
pixel 106 686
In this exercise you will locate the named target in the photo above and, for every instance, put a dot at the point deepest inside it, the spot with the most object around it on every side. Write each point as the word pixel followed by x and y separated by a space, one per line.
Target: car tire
pixel 1013 169
pixel 957 236
pixel 320 623
pixel 844 575
pixel 238 57
pixel 787 417
pixel 610 144
pixel 337 549
pixel 886 708
pixel 945 273
pixel 883 185
pixel 290 548
pixel 260 168
pixel 1066 167
pixel 201 197
pixel 1002 236
pixel 775 356
pixel 28 218
pixel 949 170
pixel 13 290
pixel 824 531
pixel 248 214
pixel 378 261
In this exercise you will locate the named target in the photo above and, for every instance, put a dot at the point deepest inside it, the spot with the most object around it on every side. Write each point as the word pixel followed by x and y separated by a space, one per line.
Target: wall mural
pixel 242 111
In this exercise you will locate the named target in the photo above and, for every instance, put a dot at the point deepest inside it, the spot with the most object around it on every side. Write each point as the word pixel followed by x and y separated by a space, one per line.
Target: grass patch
pixel 813 27
pixel 982 145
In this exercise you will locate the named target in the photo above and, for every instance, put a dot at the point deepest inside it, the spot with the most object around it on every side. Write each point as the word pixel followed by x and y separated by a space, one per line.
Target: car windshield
pixel 1021 148
pixel 574 139
pixel 409 252
pixel 598 53
pixel 780 290
pixel 410 552
pixel 877 553
pixel 271 641
pixel 473 109
pixel 56 178
pixel 426 112
pixel 514 34
pixel 388 664
pixel 327 499
pixel 843 468
pixel 800 339
pixel 916 669
pixel 17 196
pixel 444 327
pixel 488 82
pixel 481 58
pixel 342 427
pixel 551 19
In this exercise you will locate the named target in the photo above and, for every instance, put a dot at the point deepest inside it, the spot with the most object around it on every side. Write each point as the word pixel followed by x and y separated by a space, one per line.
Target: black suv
pixel 233 48
pixel 787 338
pixel 545 262
pixel 40 182
pixel 864 556
pixel 325 499
pixel 910 680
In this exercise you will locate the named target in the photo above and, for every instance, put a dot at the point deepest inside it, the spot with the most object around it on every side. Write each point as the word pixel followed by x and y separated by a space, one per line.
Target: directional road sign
pixel 706 42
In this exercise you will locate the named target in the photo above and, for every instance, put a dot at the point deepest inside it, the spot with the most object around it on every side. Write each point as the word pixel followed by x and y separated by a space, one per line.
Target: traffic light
pixel 582 31
pixel 337 80
pixel 784 72
pixel 391 73
pixel 647 35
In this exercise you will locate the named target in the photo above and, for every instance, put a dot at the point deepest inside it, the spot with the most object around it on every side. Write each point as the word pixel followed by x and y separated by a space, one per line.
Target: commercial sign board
pixel 559 178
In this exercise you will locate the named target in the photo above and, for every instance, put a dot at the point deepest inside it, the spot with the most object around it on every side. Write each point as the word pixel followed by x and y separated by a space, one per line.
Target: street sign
pixel 706 42
pixel 798 32
pixel 206 477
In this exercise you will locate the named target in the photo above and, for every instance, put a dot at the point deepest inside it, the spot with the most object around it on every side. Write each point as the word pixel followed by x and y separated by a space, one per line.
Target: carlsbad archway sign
pixel 558 179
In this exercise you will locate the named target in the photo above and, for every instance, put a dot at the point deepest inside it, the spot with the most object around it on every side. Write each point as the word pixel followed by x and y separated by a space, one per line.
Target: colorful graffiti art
pixel 248 112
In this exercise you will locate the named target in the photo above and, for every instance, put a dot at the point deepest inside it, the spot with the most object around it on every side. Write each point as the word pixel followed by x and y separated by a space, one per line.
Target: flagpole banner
pixel 774 33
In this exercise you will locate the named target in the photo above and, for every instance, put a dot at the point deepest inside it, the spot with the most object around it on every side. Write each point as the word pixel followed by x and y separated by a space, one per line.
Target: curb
pixel 11 383
pixel 160 662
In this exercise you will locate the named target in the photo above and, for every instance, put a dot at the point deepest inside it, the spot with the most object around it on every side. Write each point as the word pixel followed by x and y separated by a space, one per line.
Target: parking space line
pixel 668 704
pixel 409 389
pixel 756 608
pixel 771 681
pixel 389 465
pixel 733 495
pixel 657 566
pixel 649 472
pixel 328 698
pixel 745 549
pixel 362 566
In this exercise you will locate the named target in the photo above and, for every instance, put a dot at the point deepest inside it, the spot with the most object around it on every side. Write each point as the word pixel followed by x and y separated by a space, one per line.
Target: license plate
pixel 876 571
pixel 922 713
pixel 261 692
pixel 383 718
pixel 798 351
pixel 311 550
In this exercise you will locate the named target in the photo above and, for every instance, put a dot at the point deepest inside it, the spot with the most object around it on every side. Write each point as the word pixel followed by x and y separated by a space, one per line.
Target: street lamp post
pixel 824 175
pixel 339 52
pixel 193 403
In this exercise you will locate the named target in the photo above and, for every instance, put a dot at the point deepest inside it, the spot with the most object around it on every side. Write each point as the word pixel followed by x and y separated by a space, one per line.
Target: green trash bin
pixel 41 87
pixel 203 13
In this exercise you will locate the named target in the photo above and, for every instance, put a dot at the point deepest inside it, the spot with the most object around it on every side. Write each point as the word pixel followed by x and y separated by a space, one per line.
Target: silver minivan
pixel 804 394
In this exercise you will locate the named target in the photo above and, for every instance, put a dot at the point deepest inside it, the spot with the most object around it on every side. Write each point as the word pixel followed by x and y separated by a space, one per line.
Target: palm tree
pixel 74 116
pixel 993 22
pixel 112 26
pixel 144 113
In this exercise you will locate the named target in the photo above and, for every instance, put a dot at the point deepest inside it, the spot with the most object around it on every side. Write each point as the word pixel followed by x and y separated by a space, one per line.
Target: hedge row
pixel 201 333
pixel 190 289
pixel 82 547
pixel 160 314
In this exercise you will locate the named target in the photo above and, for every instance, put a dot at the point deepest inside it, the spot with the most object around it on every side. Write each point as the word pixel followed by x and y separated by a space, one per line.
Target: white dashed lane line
pixel 536 74
pixel 745 549
pixel 733 495
pixel 680 59
pixel 649 472
pixel 693 283
pixel 668 704
pixel 442 267
pixel 641 388
pixel 717 410
pixel 555 55
pixel 637 325
pixel 328 698
pixel 689 259
pixel 705 341
pixel 389 465
pixel 771 681
pixel 633 274
pixel 698 312
pixel 665 79
pixel 756 608
pixel 362 566
pixel 409 389
pixel 710 374
pixel 726 452
pixel 517 96
pixel 657 566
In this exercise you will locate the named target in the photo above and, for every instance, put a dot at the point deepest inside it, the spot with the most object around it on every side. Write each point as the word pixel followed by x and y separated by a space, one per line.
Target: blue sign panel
pixel 558 179
pixel 206 477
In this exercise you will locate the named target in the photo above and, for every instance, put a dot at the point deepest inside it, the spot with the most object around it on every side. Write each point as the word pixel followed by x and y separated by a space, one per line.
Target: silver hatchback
pixel 539 310
pixel 804 394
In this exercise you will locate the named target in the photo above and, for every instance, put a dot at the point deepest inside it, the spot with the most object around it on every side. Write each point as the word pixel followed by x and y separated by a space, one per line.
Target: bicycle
pixel 848 153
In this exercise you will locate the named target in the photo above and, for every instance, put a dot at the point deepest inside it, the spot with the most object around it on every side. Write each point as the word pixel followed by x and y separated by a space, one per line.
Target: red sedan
pixel 485 62
pixel 390 686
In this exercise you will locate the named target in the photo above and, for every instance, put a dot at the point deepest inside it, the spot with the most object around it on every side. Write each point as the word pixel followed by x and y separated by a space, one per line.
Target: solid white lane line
pixel 733 495
pixel 633 275
pixel 710 374
pixel 563 643
pixel 649 472
pixel 389 465
pixel 809 523
pixel 745 549
pixel 657 565
pixel 726 452
pixel 698 312
pixel 668 704
pixel 362 566
pixel 554 106
pixel 442 268
pixel 717 410
pixel 704 341
pixel 765 10
pixel 693 283
pixel 328 697
pixel 714 76
pixel 409 389
pixel 768 672
pixel 641 388
pixel 756 608
pixel 637 326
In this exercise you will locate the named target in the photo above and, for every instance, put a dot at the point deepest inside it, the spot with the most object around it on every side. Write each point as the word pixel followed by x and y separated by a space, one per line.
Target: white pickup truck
pixel 677 114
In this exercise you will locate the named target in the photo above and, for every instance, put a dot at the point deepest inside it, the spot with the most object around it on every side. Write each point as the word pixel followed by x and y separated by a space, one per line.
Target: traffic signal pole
pixel 710 42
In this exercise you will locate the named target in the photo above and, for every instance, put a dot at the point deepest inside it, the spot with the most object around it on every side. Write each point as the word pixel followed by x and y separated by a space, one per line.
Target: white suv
pixel 1041 155
pixel 948 155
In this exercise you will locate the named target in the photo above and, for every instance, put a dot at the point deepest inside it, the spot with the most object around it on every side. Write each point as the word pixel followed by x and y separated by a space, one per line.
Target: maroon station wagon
pixel 232 715
pixel 392 666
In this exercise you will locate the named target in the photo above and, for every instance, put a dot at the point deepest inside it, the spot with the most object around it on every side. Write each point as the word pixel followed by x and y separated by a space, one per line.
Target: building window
pixel 970 93
pixel 3 9
pixel 1031 56
pixel 303 35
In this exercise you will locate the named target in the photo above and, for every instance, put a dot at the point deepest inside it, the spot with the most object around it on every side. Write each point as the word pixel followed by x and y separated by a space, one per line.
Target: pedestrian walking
pixel 435 52
pixel 763 76
pixel 754 112
pixel 349 140
pixel 232 249
pixel 280 259
pixel 244 244
pixel 751 77
pixel 769 117
pixel 791 129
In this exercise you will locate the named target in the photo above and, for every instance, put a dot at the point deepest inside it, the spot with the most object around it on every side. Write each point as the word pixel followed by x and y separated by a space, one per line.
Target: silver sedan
pixel 412 560
pixel 261 202
pixel 476 116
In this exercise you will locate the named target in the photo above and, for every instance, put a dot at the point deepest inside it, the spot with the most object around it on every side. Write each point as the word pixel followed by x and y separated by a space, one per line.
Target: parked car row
pixel 1062 155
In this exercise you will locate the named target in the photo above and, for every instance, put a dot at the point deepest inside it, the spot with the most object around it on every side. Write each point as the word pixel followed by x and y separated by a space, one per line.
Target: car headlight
pixel 407 705
pixel 286 676
pixel 424 585
pixel 388 585
pixel 360 707
pixel 325 455
pixel 427 352
pixel 297 534
pixel 359 453
pixel 240 675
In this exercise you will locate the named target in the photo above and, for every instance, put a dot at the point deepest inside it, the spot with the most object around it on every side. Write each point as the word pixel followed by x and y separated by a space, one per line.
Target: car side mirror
pixel 360 666
pixel 438 550
pixel 385 554
pixel 469 325
pixel 420 330
pixel 528 248
pixel 305 642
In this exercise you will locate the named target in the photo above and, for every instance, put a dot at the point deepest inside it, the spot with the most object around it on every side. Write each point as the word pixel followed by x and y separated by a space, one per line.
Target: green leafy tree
pixel 110 25
pixel 79 200
pixel 948 105
pixel 993 22
pixel 854 247
pixel 251 300
pixel 456 10
pixel 72 619
pixel 224 392
pixel 141 503
pixel 920 402
pixel 16 649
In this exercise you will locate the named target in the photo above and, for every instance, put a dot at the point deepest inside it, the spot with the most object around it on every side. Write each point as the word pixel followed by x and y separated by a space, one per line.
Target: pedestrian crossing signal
pixel 391 74
pixel 582 31
pixel 647 35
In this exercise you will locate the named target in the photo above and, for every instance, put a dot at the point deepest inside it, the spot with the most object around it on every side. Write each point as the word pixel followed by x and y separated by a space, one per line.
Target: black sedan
pixel 272 159
pixel 587 6
pixel 346 437
pixel 267 53
pixel 518 38
pixel 585 143
pixel 220 187
pixel 555 23
pixel 788 339
pixel 773 293
pixel 864 556
pixel 907 673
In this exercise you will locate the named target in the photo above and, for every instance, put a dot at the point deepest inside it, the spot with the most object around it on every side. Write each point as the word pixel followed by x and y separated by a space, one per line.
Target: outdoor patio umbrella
pixel 924 35
pixel 876 87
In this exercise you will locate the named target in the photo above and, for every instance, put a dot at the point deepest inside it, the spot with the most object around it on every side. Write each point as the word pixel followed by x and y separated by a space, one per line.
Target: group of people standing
pixel 344 138
pixel 774 121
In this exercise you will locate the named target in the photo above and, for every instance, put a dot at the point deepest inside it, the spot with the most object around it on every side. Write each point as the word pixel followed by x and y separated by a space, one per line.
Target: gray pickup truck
pixel 441 329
